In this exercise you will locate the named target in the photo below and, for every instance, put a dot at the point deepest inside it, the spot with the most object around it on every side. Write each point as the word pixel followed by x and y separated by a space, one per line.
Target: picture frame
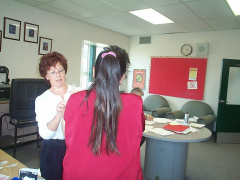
pixel 45 45
pixel 139 78
pixel 12 29
pixel 31 32
pixel 0 41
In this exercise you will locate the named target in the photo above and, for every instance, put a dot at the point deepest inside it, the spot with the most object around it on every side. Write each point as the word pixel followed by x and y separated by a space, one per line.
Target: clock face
pixel 186 49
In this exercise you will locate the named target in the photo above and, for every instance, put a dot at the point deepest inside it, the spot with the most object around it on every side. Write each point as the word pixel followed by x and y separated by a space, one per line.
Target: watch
pixel 186 49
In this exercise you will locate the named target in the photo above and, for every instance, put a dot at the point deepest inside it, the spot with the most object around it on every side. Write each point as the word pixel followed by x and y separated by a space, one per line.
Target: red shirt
pixel 79 161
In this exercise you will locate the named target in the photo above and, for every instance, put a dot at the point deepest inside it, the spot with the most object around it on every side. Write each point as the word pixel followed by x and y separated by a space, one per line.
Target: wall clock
pixel 186 49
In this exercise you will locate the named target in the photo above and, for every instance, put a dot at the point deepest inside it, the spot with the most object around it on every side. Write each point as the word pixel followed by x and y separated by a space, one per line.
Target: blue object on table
pixel 15 178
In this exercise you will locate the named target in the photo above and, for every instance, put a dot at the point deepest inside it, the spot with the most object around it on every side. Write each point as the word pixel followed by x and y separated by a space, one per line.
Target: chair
pixel 200 109
pixel 23 93
pixel 156 105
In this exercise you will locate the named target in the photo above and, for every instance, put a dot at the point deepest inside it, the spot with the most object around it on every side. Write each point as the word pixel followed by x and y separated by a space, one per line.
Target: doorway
pixel 228 114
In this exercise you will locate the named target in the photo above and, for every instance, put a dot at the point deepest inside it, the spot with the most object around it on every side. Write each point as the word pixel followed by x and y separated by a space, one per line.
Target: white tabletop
pixel 202 134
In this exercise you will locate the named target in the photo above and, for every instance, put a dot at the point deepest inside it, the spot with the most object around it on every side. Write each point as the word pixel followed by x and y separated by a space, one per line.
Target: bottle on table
pixel 186 117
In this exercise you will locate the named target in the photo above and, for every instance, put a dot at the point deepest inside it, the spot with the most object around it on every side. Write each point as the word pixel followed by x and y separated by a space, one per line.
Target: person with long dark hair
pixel 103 128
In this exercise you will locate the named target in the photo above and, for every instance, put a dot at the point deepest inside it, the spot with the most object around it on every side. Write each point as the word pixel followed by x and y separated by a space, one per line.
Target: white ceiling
pixel 188 15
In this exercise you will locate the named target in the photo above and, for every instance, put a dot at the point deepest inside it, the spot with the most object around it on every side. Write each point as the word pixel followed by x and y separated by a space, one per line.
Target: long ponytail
pixel 108 103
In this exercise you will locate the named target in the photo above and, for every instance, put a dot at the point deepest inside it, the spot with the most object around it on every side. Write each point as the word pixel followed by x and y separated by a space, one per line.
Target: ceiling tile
pixel 43 1
pixel 130 19
pixel 153 29
pixel 238 19
pixel 188 15
pixel 107 20
pixel 72 8
pixel 173 28
pixel 177 13
pixel 96 5
pixel 59 12
pixel 29 2
pixel 196 26
pixel 154 3
pixel 210 9
pixel 128 5
pixel 223 23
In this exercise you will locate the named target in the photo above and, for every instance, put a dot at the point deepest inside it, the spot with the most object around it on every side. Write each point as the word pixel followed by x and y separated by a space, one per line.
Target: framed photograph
pixel 31 32
pixel 12 29
pixel 45 45
pixel 139 76
pixel 0 41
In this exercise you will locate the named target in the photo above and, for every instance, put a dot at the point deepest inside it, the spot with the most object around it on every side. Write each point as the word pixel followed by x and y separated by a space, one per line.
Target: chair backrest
pixel 154 102
pixel 197 108
pixel 23 93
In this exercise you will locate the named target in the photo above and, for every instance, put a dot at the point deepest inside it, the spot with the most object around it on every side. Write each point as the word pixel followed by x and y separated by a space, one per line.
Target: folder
pixel 176 128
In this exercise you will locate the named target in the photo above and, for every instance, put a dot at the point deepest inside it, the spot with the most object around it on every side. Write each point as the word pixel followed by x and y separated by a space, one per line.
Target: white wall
pixel 222 44
pixel 22 58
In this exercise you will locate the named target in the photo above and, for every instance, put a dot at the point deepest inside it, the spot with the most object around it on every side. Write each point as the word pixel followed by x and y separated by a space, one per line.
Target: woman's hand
pixel 53 124
pixel 149 117
pixel 61 107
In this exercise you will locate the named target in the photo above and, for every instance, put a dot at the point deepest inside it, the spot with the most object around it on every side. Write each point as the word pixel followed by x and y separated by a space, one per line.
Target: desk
pixel 10 171
pixel 166 156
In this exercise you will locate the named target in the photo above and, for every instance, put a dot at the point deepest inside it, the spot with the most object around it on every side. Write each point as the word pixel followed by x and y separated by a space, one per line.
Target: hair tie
pixel 108 53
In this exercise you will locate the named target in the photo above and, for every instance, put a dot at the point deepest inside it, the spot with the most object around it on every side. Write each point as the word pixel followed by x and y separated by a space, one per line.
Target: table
pixel 10 171
pixel 166 156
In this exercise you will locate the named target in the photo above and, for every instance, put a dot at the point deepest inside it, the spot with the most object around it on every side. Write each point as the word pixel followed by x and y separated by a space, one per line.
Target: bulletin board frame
pixel 178 77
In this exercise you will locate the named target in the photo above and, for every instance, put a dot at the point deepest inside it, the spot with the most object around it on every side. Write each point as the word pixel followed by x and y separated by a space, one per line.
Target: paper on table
pixel 193 119
pixel 193 129
pixel 180 121
pixel 174 123
pixel 197 125
pixel 162 120
pixel 3 162
pixel 147 128
pixel 161 131
pixel 149 122
pixel 3 177
pixel 11 165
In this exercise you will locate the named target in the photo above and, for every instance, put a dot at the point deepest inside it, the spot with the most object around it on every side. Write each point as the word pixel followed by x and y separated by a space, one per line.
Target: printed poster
pixel 139 76
pixel 193 74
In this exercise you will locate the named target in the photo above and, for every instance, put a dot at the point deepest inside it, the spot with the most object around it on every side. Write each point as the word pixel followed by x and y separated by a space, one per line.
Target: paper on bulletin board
pixel 139 76
pixel 192 84
pixel 193 73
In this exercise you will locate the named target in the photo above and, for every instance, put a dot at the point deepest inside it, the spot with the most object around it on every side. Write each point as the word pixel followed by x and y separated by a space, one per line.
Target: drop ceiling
pixel 188 15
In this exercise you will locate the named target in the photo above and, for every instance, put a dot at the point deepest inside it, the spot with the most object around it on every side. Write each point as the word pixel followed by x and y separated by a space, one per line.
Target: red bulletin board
pixel 139 76
pixel 178 77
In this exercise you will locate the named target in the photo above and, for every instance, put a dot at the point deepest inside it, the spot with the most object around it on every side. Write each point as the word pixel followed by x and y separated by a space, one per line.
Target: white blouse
pixel 46 109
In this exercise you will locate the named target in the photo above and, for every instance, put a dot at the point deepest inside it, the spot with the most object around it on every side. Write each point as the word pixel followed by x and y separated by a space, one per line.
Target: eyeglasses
pixel 54 73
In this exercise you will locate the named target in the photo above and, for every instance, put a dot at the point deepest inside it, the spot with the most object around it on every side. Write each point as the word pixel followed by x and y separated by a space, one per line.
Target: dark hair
pixel 51 59
pixel 108 104
pixel 137 90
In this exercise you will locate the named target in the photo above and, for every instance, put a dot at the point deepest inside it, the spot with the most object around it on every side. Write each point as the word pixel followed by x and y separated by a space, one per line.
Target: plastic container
pixel 186 117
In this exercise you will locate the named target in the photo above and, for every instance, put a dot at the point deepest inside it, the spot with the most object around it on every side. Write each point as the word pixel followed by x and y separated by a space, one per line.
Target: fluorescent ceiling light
pixel 151 16
pixel 235 6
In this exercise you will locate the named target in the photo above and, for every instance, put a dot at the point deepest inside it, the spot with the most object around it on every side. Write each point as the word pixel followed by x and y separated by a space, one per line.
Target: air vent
pixel 145 40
